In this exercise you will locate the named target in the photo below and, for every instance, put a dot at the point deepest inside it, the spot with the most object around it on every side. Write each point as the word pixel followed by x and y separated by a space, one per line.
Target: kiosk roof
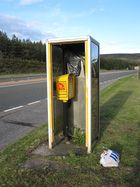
pixel 71 40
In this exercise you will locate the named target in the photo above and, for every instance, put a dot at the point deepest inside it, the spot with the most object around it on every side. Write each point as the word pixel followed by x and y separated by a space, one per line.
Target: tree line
pixel 115 64
pixel 21 56
pixel 119 61
pixel 25 56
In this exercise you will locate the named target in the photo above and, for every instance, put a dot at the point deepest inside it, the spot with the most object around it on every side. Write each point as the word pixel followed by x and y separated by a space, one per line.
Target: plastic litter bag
pixel 73 63
pixel 110 158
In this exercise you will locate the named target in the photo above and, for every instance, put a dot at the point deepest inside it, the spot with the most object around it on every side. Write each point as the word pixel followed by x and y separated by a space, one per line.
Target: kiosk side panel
pixel 95 90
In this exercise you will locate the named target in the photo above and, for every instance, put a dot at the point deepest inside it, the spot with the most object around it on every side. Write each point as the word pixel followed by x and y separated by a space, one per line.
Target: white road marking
pixel 10 109
pixel 21 84
pixel 33 102
pixel 13 108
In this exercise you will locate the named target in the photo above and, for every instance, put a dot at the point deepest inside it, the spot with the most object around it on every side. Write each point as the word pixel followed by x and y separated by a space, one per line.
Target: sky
pixel 113 23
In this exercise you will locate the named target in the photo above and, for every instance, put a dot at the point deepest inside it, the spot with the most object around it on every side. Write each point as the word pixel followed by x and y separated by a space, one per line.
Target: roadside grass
pixel 14 155
pixel 2 75
pixel 120 131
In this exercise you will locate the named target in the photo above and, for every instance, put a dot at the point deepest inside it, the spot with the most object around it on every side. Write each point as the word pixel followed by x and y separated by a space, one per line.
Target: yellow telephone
pixel 65 87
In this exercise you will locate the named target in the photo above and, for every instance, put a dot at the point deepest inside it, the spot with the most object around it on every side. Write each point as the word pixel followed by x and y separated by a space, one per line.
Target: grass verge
pixel 20 75
pixel 120 130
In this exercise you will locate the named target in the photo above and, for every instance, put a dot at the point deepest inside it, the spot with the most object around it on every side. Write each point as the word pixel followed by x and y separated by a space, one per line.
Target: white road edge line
pixel 33 102
pixel 13 108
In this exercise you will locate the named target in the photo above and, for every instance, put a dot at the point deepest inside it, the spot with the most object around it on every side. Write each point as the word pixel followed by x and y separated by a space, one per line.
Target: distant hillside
pixel 119 61
pixel 132 58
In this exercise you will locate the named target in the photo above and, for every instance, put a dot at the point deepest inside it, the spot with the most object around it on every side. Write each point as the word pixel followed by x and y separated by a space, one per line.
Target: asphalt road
pixel 24 107
pixel 105 76
pixel 19 95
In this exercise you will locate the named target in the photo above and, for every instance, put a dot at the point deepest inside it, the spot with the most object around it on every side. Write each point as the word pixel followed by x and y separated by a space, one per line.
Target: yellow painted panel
pixel 50 81
pixel 86 75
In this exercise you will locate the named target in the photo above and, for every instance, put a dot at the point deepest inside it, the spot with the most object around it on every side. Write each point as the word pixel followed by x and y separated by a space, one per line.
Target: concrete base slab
pixel 50 165
pixel 61 149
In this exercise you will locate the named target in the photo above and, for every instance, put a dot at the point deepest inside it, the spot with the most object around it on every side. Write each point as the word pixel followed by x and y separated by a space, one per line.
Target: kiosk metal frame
pixel 88 41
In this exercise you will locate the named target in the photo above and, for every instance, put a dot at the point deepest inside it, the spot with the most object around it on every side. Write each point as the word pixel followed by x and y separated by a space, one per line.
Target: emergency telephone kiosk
pixel 73 88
